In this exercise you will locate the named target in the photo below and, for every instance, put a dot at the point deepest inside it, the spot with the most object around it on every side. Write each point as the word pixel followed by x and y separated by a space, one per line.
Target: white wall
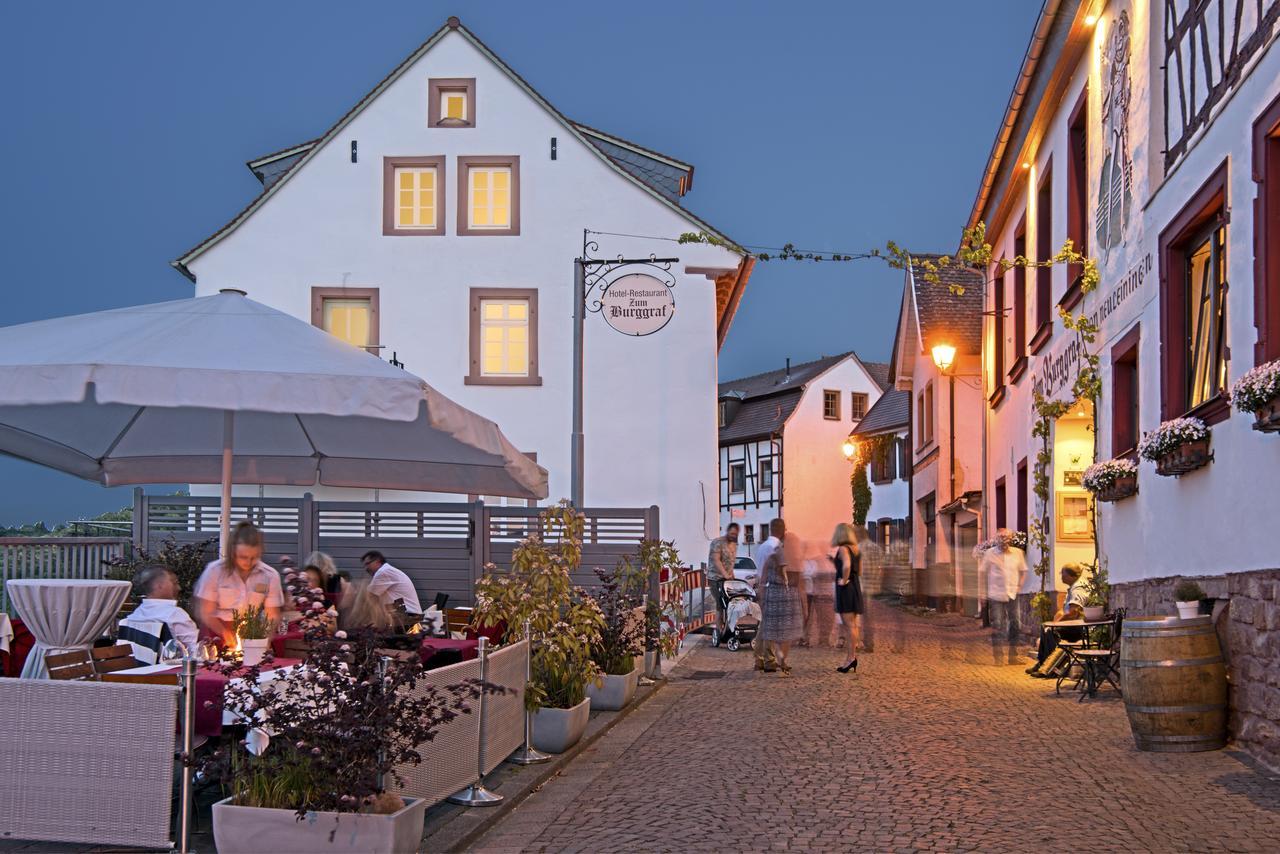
pixel 650 402
pixel 890 500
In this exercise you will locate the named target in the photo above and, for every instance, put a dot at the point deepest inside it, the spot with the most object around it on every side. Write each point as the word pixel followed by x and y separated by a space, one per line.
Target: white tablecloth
pixel 63 616
pixel 6 632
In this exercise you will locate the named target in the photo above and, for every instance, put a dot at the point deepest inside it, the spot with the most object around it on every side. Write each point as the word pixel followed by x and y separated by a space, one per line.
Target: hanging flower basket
pixel 1177 446
pixel 1258 391
pixel 1111 480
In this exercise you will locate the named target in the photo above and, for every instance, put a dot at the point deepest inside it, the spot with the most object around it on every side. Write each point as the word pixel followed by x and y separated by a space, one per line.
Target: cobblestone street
pixel 929 748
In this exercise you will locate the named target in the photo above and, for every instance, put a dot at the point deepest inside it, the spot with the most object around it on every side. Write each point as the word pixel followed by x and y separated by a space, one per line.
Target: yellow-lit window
pixel 416 198
pixel 504 338
pixel 490 203
pixel 348 319
pixel 453 105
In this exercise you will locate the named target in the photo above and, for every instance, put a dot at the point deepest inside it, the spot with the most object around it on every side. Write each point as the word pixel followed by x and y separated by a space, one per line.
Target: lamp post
pixel 944 356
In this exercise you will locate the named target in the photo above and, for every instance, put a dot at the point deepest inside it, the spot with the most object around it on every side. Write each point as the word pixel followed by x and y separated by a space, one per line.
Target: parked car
pixel 746 569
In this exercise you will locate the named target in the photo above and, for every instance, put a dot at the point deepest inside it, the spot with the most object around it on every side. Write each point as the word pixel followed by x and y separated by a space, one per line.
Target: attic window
pixel 451 102
pixel 831 405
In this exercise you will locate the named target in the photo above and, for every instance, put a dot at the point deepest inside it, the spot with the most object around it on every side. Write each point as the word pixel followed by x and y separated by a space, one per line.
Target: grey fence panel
pixel 55 557
pixel 609 535
pixel 431 543
pixel 189 519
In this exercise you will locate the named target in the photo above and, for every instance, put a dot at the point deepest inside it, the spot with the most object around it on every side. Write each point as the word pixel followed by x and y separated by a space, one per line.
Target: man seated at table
pixel 392 587
pixel 159 588
pixel 1048 657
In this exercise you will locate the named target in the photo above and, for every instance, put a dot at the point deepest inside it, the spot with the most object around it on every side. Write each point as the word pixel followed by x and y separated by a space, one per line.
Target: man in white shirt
pixel 777 533
pixel 391 585
pixel 159 587
pixel 1003 570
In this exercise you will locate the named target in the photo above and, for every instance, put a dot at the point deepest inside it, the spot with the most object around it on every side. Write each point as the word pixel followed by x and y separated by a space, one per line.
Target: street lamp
pixel 944 356
pixel 850 447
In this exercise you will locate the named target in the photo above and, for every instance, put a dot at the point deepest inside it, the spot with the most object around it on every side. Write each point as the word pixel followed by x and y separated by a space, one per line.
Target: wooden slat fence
pixel 55 557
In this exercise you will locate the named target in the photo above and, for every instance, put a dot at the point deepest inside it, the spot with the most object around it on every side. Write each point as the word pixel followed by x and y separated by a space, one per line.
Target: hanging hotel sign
pixel 637 304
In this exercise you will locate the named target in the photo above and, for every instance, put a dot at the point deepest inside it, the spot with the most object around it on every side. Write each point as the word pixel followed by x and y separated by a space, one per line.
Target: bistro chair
pixel 76 665
pixel 108 659
pixel 1102 664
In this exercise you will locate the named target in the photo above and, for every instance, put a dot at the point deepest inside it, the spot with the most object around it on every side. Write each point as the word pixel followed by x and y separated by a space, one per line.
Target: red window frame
pixel 1022 485
pixel 1125 422
pixel 1019 366
pixel 1077 195
pixel 997 320
pixel 1002 504
pixel 1209 204
pixel 1266 234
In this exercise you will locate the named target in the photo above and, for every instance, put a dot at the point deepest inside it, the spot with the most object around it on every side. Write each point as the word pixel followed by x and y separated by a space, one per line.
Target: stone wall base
pixel 1248 622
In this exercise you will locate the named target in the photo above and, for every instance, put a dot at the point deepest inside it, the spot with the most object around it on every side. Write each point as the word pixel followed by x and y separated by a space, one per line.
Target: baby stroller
pixel 742 615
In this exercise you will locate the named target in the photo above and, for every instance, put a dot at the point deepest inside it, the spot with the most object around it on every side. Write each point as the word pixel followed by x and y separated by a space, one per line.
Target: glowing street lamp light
pixel 850 448
pixel 944 356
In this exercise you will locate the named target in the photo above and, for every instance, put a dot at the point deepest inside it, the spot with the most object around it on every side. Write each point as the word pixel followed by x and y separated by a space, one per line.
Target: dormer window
pixel 724 409
pixel 451 102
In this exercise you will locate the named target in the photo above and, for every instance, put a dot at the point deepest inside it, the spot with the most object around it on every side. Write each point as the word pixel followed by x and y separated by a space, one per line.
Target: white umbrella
pixel 222 389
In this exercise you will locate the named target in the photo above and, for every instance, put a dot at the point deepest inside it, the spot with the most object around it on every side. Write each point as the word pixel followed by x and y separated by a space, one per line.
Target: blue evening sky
pixel 832 125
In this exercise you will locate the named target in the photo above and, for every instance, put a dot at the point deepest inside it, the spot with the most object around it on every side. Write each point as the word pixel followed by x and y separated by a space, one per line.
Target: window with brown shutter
pixel 997 344
pixel 1022 496
pixel 1002 507
pixel 1077 195
pixel 1044 251
pixel 1266 234
pixel 1019 365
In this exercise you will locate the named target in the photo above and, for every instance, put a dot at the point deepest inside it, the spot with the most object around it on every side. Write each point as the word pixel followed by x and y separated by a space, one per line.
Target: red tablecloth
pixel 277 641
pixel 469 649
pixel 19 648
pixel 209 688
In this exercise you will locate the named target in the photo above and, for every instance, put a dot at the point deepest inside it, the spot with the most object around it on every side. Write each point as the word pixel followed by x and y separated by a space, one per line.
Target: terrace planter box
pixel 1267 419
pixel 615 693
pixel 556 730
pixel 1184 458
pixel 1123 488
pixel 247 830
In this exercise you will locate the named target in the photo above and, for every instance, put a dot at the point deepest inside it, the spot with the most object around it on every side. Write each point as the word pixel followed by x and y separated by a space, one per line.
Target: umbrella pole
pixel 228 428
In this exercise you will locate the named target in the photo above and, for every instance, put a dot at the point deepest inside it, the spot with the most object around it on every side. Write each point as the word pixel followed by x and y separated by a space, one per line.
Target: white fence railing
pixel 55 557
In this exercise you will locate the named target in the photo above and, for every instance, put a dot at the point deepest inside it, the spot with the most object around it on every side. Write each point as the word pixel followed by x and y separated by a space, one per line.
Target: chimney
pixel 787 378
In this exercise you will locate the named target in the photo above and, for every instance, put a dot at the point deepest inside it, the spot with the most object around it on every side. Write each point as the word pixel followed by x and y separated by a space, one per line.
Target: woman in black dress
pixel 849 602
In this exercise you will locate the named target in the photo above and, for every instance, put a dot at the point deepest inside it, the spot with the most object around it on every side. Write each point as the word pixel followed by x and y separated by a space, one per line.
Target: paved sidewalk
pixel 932 748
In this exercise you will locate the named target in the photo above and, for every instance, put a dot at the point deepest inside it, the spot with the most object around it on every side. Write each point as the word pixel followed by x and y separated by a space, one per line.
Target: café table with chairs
pixel 64 615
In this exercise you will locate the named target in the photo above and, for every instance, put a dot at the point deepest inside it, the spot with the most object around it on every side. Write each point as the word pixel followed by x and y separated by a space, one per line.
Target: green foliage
pixel 251 623
pixel 1042 607
pixel 186 560
pixel 564 622
pixel 1097 586
pixel 1188 591
pixel 653 557
pixel 861 494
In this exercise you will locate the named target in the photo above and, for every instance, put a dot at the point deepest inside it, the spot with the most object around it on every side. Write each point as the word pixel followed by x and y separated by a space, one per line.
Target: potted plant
pixel 564 624
pixel 1097 590
pixel 1042 607
pixel 253 629
pixel 1187 596
pixel 621 640
pixel 654 557
pixel 1111 480
pixel 1176 446
pixel 316 775
pixel 1258 392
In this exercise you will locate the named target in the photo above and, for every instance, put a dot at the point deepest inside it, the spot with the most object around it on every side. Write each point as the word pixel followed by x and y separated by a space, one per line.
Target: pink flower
pixel 340 635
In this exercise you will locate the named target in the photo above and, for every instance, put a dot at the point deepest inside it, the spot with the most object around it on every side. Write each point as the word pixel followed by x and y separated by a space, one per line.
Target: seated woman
pixel 323 573
pixel 363 609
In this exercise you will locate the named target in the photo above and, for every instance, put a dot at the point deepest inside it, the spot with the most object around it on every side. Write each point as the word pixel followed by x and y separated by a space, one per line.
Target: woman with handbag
pixel 849 602
pixel 782 620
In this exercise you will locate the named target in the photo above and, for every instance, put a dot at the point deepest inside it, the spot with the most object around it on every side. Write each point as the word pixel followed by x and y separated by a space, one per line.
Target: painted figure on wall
pixel 1115 184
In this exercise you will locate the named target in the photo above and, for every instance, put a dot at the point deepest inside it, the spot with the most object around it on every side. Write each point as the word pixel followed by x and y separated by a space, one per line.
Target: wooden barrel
pixel 1175 684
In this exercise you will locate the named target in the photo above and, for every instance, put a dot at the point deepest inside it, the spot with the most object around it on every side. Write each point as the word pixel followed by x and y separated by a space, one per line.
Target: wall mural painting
pixel 1115 184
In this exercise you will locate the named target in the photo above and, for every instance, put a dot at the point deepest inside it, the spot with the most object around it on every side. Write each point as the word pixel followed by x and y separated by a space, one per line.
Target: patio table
pixel 431 647
pixel 64 615
pixel 209 688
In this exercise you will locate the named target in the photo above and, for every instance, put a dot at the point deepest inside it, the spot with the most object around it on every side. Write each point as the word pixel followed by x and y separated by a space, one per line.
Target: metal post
pixel 382 681
pixel 576 454
pixel 188 746
pixel 527 755
pixel 224 523
pixel 476 795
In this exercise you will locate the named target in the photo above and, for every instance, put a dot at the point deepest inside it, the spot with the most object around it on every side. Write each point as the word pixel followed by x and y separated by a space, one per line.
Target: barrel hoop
pixel 1181 739
pixel 1172 662
pixel 1178 710
pixel 1190 631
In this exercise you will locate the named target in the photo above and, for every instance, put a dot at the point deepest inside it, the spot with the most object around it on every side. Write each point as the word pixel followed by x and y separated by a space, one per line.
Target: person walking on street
pixel 782 621
pixel 849 602
pixel 1002 571
pixel 777 533
pixel 724 551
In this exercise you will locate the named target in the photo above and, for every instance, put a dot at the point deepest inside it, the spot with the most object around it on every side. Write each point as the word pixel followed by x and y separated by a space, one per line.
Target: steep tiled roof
pixel 760 417
pixel 879 372
pixel 947 316
pixel 771 382
pixel 891 412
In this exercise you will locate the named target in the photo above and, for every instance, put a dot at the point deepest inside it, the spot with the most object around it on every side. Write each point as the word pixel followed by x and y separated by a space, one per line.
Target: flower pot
pixel 1188 610
pixel 615 693
pixel 254 649
pixel 1267 417
pixel 1184 458
pixel 253 829
pixel 556 730
pixel 1094 612
pixel 1124 487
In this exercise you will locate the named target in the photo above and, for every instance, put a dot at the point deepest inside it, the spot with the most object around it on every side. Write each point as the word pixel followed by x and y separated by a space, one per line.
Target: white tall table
pixel 63 615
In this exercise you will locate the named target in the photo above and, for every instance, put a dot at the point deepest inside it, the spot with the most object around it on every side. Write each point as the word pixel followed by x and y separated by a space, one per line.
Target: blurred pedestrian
pixel 819 588
pixel 777 533
pixel 782 620
pixel 1002 571
pixel 724 551
pixel 849 603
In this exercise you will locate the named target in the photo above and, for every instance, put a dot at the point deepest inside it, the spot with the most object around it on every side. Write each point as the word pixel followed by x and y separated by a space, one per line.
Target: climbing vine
pixel 865 450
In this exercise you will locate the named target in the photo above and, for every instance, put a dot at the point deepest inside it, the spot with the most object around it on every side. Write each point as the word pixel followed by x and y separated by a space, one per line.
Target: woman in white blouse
pixel 236 581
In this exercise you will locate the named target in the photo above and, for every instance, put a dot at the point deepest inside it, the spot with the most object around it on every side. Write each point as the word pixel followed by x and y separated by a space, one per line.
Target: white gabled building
pixel 438 220
pixel 781 434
